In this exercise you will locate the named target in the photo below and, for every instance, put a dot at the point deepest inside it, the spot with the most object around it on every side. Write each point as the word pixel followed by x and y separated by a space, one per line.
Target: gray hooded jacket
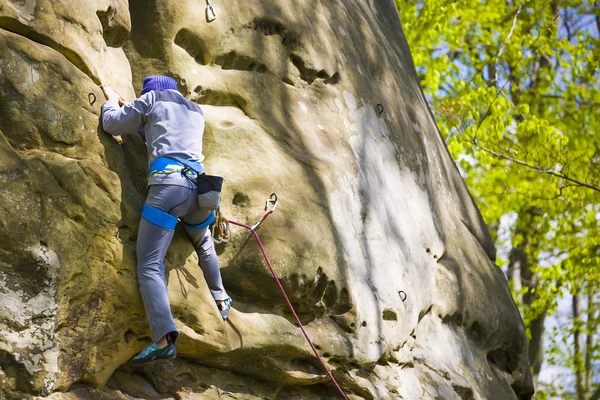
pixel 171 125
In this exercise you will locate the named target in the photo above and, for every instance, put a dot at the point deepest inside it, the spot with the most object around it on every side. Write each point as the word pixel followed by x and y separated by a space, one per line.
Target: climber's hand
pixel 112 94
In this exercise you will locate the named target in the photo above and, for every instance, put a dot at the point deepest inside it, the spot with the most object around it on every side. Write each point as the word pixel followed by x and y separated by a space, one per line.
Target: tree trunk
pixel 579 345
pixel 522 258
pixel 592 324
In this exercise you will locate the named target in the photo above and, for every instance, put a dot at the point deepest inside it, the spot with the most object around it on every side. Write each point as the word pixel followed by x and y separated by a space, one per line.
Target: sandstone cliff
pixel 317 101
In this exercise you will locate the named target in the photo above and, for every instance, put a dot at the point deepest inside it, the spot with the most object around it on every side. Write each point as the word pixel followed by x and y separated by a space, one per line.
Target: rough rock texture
pixel 317 101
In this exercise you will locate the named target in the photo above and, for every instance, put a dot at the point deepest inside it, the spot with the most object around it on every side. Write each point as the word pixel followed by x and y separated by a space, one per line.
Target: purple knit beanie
pixel 158 82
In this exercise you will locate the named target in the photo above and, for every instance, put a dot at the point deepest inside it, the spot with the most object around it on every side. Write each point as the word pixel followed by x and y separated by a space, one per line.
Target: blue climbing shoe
pixel 224 308
pixel 153 352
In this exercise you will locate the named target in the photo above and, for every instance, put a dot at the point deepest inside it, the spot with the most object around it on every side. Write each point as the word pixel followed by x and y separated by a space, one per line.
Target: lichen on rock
pixel 28 318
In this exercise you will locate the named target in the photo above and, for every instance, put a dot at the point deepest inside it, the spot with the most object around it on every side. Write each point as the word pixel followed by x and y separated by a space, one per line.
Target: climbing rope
pixel 270 206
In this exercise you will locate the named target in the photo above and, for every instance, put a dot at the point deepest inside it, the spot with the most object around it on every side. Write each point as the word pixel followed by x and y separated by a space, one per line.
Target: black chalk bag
pixel 209 191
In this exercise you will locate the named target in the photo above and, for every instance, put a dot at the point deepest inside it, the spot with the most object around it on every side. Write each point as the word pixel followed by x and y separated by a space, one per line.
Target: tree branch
pixel 512 29
pixel 535 168
pixel 559 97
pixel 557 196
pixel 487 113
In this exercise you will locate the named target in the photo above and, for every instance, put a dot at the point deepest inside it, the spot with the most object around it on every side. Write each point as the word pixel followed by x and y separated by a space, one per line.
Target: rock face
pixel 376 238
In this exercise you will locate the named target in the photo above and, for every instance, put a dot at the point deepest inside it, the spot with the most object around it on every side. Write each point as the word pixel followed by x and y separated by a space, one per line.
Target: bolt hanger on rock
pixel 211 12
pixel 403 295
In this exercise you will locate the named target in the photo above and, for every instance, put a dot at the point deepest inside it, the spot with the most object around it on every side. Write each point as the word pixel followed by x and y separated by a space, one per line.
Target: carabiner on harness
pixel 222 225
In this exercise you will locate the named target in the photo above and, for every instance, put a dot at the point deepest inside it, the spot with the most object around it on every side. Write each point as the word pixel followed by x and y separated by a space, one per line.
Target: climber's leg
pixel 156 231
pixel 152 245
pixel 207 258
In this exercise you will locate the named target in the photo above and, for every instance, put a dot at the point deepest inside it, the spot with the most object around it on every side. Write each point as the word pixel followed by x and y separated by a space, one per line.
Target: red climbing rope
pixel 269 210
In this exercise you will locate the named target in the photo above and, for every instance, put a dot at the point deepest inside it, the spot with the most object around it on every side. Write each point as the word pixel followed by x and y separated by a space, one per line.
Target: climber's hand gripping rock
pixel 112 94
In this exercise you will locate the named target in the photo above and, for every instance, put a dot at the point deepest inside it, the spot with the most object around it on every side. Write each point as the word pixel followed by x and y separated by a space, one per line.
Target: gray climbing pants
pixel 152 244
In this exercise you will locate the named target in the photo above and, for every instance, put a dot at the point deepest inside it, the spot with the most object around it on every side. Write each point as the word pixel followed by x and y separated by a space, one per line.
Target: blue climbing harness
pixel 168 165
pixel 168 221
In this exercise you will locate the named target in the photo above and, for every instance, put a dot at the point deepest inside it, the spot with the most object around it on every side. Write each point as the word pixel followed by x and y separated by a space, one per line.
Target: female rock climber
pixel 172 127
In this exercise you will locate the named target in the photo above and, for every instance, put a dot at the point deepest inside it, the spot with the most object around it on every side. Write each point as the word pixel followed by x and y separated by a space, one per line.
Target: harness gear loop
pixel 270 206
pixel 211 12
pixel 167 166
pixel 379 109
pixel 91 98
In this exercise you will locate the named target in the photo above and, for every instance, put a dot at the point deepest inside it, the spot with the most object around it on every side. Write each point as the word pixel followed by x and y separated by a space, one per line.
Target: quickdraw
pixel 270 206
pixel 221 231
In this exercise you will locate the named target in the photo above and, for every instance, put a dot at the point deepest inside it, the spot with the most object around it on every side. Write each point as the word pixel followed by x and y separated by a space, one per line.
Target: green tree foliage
pixel 514 85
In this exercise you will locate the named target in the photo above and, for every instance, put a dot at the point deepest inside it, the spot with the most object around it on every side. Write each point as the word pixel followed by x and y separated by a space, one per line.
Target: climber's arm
pixel 129 118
